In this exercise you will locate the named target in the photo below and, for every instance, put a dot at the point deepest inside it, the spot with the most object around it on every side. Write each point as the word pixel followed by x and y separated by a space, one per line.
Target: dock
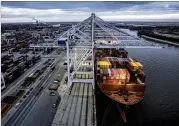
pixel 77 106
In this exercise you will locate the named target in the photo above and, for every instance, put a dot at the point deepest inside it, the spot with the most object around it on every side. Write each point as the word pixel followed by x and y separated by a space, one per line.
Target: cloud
pixel 24 14
pixel 78 11
pixel 51 5
pixel 157 17
pixel 21 12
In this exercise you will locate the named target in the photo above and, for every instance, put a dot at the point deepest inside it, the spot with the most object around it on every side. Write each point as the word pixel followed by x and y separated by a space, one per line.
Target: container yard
pixel 14 67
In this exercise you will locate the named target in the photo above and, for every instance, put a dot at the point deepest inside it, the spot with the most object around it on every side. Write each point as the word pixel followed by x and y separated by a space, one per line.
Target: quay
pixel 77 106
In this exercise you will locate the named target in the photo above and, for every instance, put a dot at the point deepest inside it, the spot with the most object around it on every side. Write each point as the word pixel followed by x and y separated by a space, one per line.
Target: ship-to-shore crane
pixel 88 35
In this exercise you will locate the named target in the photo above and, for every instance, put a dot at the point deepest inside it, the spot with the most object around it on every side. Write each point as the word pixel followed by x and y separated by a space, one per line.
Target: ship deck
pixel 77 106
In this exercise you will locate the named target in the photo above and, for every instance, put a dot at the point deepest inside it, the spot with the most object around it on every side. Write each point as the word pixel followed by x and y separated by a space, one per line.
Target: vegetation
pixel 151 33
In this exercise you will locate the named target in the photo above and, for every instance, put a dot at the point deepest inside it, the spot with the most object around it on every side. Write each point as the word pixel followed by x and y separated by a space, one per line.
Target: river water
pixel 162 92
pixel 160 105
pixel 162 83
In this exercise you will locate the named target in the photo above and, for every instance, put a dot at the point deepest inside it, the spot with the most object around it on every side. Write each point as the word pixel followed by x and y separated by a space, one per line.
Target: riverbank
pixel 159 40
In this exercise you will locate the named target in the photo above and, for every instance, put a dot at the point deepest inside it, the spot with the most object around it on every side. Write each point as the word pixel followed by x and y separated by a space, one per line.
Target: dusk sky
pixel 78 11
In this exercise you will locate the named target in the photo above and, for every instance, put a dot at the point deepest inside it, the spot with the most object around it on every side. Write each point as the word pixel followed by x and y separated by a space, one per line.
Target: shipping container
pixel 9 99
pixel 3 67
pixel 4 58
pixel 16 73
pixel 117 76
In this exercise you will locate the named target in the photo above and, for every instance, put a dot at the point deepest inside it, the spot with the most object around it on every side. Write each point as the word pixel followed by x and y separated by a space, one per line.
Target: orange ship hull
pixel 135 93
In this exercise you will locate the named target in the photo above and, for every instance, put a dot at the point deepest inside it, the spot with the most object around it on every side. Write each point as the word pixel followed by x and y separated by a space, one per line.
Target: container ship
pixel 119 77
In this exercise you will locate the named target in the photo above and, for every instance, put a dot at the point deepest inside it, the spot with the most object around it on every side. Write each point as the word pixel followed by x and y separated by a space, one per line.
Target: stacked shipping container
pixel 113 76
pixel 132 65
pixel 119 77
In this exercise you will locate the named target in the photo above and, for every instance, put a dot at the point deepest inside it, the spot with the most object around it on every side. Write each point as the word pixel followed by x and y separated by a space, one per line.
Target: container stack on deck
pixel 119 77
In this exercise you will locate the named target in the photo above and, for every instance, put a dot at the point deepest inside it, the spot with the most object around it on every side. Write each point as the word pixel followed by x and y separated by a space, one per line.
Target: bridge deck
pixel 77 108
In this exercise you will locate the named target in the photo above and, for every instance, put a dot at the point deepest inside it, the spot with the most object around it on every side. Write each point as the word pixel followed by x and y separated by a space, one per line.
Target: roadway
pixel 18 117
pixel 42 113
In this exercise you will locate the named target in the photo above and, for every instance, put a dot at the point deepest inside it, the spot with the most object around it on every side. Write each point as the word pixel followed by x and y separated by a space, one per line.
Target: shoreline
pixel 159 40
